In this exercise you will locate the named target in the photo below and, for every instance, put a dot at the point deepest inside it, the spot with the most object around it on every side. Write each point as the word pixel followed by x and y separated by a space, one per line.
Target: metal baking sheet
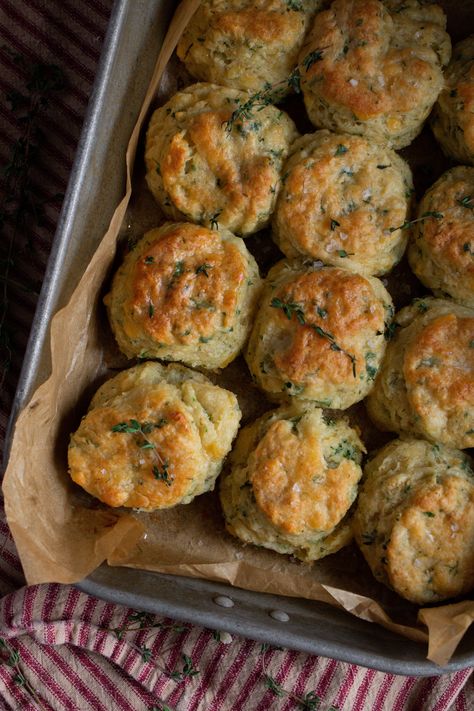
pixel 96 184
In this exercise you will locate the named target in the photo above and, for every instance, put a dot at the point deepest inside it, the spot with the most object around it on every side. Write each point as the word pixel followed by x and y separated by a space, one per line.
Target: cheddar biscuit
pixel 343 200
pixel 442 251
pixel 318 334
pixel 293 478
pixel 425 386
pixel 155 436
pixel 245 44
pixel 453 117
pixel 373 68
pixel 206 165
pixel 414 520
pixel 185 293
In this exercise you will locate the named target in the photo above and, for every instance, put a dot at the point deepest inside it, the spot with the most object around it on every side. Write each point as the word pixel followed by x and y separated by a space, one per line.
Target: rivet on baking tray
pixel 279 615
pixel 223 601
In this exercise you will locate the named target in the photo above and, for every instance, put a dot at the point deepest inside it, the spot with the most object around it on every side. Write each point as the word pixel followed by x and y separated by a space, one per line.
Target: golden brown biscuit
pixel 426 383
pixel 453 117
pixel 293 478
pixel 155 436
pixel 342 197
pixel 318 334
pixel 374 68
pixel 185 293
pixel 205 168
pixel 442 250
pixel 245 44
pixel 414 520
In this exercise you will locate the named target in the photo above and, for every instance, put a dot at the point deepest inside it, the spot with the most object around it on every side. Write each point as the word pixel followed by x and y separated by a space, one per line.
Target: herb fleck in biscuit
pixel 203 167
pixel 185 293
pixel 293 478
pixel 341 201
pixel 318 334
pixel 374 68
pixel 154 437
pixel 442 251
pixel 426 383
pixel 245 44
pixel 414 520
pixel 453 117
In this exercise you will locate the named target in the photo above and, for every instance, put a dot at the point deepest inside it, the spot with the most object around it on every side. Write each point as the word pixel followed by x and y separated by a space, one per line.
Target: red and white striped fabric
pixel 59 648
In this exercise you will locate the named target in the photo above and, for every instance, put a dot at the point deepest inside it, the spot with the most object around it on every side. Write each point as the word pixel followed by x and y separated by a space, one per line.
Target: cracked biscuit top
pixel 374 68
pixel 206 166
pixel 318 334
pixel 245 44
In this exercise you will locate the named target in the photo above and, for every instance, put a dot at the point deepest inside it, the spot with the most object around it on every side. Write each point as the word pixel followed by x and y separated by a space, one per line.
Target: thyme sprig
pixel 289 308
pixel 12 658
pixel 160 470
pixel 272 93
pixel 424 216
pixel 309 702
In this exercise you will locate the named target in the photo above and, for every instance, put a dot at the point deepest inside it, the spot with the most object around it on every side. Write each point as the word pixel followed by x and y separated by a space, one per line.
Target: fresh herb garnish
pixel 424 216
pixel 466 202
pixel 214 220
pixel 289 308
pixel 271 684
pixel 188 670
pixel 340 150
pixel 178 269
pixel 272 93
pixel 343 253
pixel 149 260
pixel 334 224
pixel 162 473
pixel 203 269
pixel 142 429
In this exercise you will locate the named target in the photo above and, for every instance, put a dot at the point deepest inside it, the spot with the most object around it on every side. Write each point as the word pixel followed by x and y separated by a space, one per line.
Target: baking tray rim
pixel 39 341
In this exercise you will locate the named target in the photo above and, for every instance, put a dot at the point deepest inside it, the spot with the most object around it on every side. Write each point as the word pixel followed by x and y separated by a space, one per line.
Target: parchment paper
pixel 62 534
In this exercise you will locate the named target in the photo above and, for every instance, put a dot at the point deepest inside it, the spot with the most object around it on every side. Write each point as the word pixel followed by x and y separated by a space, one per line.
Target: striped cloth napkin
pixel 60 648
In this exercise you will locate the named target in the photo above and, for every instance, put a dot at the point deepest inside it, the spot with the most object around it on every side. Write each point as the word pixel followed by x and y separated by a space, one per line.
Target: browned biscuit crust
pixel 185 293
pixel 342 199
pixel 293 478
pixel 453 118
pixel 426 383
pixel 414 520
pixel 154 437
pixel 318 334
pixel 442 249
pixel 204 169
pixel 375 68
pixel 245 44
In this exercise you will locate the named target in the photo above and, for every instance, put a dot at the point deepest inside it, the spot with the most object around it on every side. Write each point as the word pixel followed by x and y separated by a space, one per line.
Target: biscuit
pixel 245 44
pixel 318 334
pixel 155 436
pixel 341 201
pixel 442 250
pixel 185 293
pixel 205 166
pixel 373 68
pixel 425 386
pixel 414 520
pixel 293 478
pixel 453 117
